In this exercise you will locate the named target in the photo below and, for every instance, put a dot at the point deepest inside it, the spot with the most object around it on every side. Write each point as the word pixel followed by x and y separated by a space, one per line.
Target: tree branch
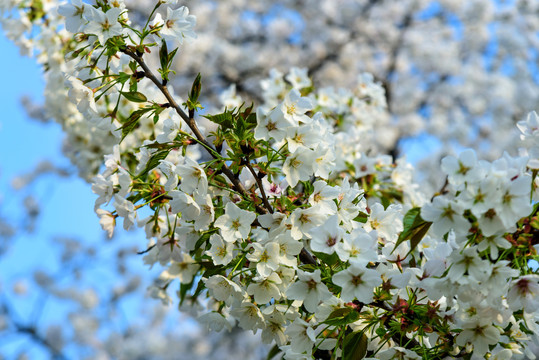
pixel 32 333
pixel 305 256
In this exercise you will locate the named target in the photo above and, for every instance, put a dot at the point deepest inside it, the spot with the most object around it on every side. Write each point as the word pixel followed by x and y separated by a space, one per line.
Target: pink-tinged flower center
pixel 311 284
pixel 331 241
pixel 356 280
pixel 523 287
pixel 490 214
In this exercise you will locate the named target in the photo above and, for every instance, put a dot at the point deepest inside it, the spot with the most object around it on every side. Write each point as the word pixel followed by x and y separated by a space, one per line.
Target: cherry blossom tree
pixel 294 217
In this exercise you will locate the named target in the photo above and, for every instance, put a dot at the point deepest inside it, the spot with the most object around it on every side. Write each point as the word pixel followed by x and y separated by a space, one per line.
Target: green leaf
pixel 274 351
pixel 154 161
pixel 202 240
pixel 171 56
pixel 354 346
pixel 362 217
pixel 123 77
pixel 414 230
pixel 342 316
pixel 328 259
pixel 134 96
pixel 131 123
pixel 251 121
pixel 184 288
pixel 195 89
pixel 163 55
pixel 225 120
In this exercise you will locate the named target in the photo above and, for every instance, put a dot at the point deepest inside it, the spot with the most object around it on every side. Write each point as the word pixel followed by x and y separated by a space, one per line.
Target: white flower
pixel 498 279
pixel 184 204
pixel 324 159
pixel 359 247
pixel 387 222
pixel 222 289
pixel 270 125
pixel 192 176
pixel 104 188
pixel 207 212
pixel 524 294
pixel 302 221
pixel 480 333
pixel 171 126
pixel 289 248
pixel 357 282
pixel 274 330
pixel 185 270
pixel 298 166
pixel 302 336
pixel 107 221
pixel 310 289
pixel 235 223
pixel 326 237
pixel 299 78
pixel 74 13
pixel 445 215
pixel 229 98
pixel 437 259
pixel 515 202
pixel 177 25
pixel 249 316
pixel 364 165
pixel 265 288
pixel 266 258
pixel 461 170
pixel 303 135
pixel 168 249
pixel 398 352
pixel 126 210
pixel 323 196
pixel 273 86
pixel 294 108
pixel 221 252
pixel 468 261
pixel 104 25
pixel 213 321
pixel 492 243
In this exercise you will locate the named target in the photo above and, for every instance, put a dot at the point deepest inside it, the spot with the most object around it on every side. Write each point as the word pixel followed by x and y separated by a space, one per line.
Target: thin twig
pixel 260 187
pixel 192 125
pixel 32 332
pixel 305 256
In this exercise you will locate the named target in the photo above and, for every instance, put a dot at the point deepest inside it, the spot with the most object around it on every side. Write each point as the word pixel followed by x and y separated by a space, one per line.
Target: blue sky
pixel 67 206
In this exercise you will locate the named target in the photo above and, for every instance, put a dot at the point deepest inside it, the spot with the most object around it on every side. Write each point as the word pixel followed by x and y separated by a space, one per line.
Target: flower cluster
pixel 285 220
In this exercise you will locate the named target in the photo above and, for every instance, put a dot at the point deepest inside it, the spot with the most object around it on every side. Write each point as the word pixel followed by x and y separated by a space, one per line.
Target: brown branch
pixel 32 333
pixel 305 256
pixel 260 187
pixel 192 125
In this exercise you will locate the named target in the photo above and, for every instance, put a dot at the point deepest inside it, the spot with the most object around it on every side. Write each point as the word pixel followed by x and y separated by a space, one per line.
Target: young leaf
pixel 163 55
pixel 195 89
pixel 154 161
pixel 225 120
pixel 342 316
pixel 132 122
pixel 274 351
pixel 134 96
pixel 415 228
pixel 354 346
